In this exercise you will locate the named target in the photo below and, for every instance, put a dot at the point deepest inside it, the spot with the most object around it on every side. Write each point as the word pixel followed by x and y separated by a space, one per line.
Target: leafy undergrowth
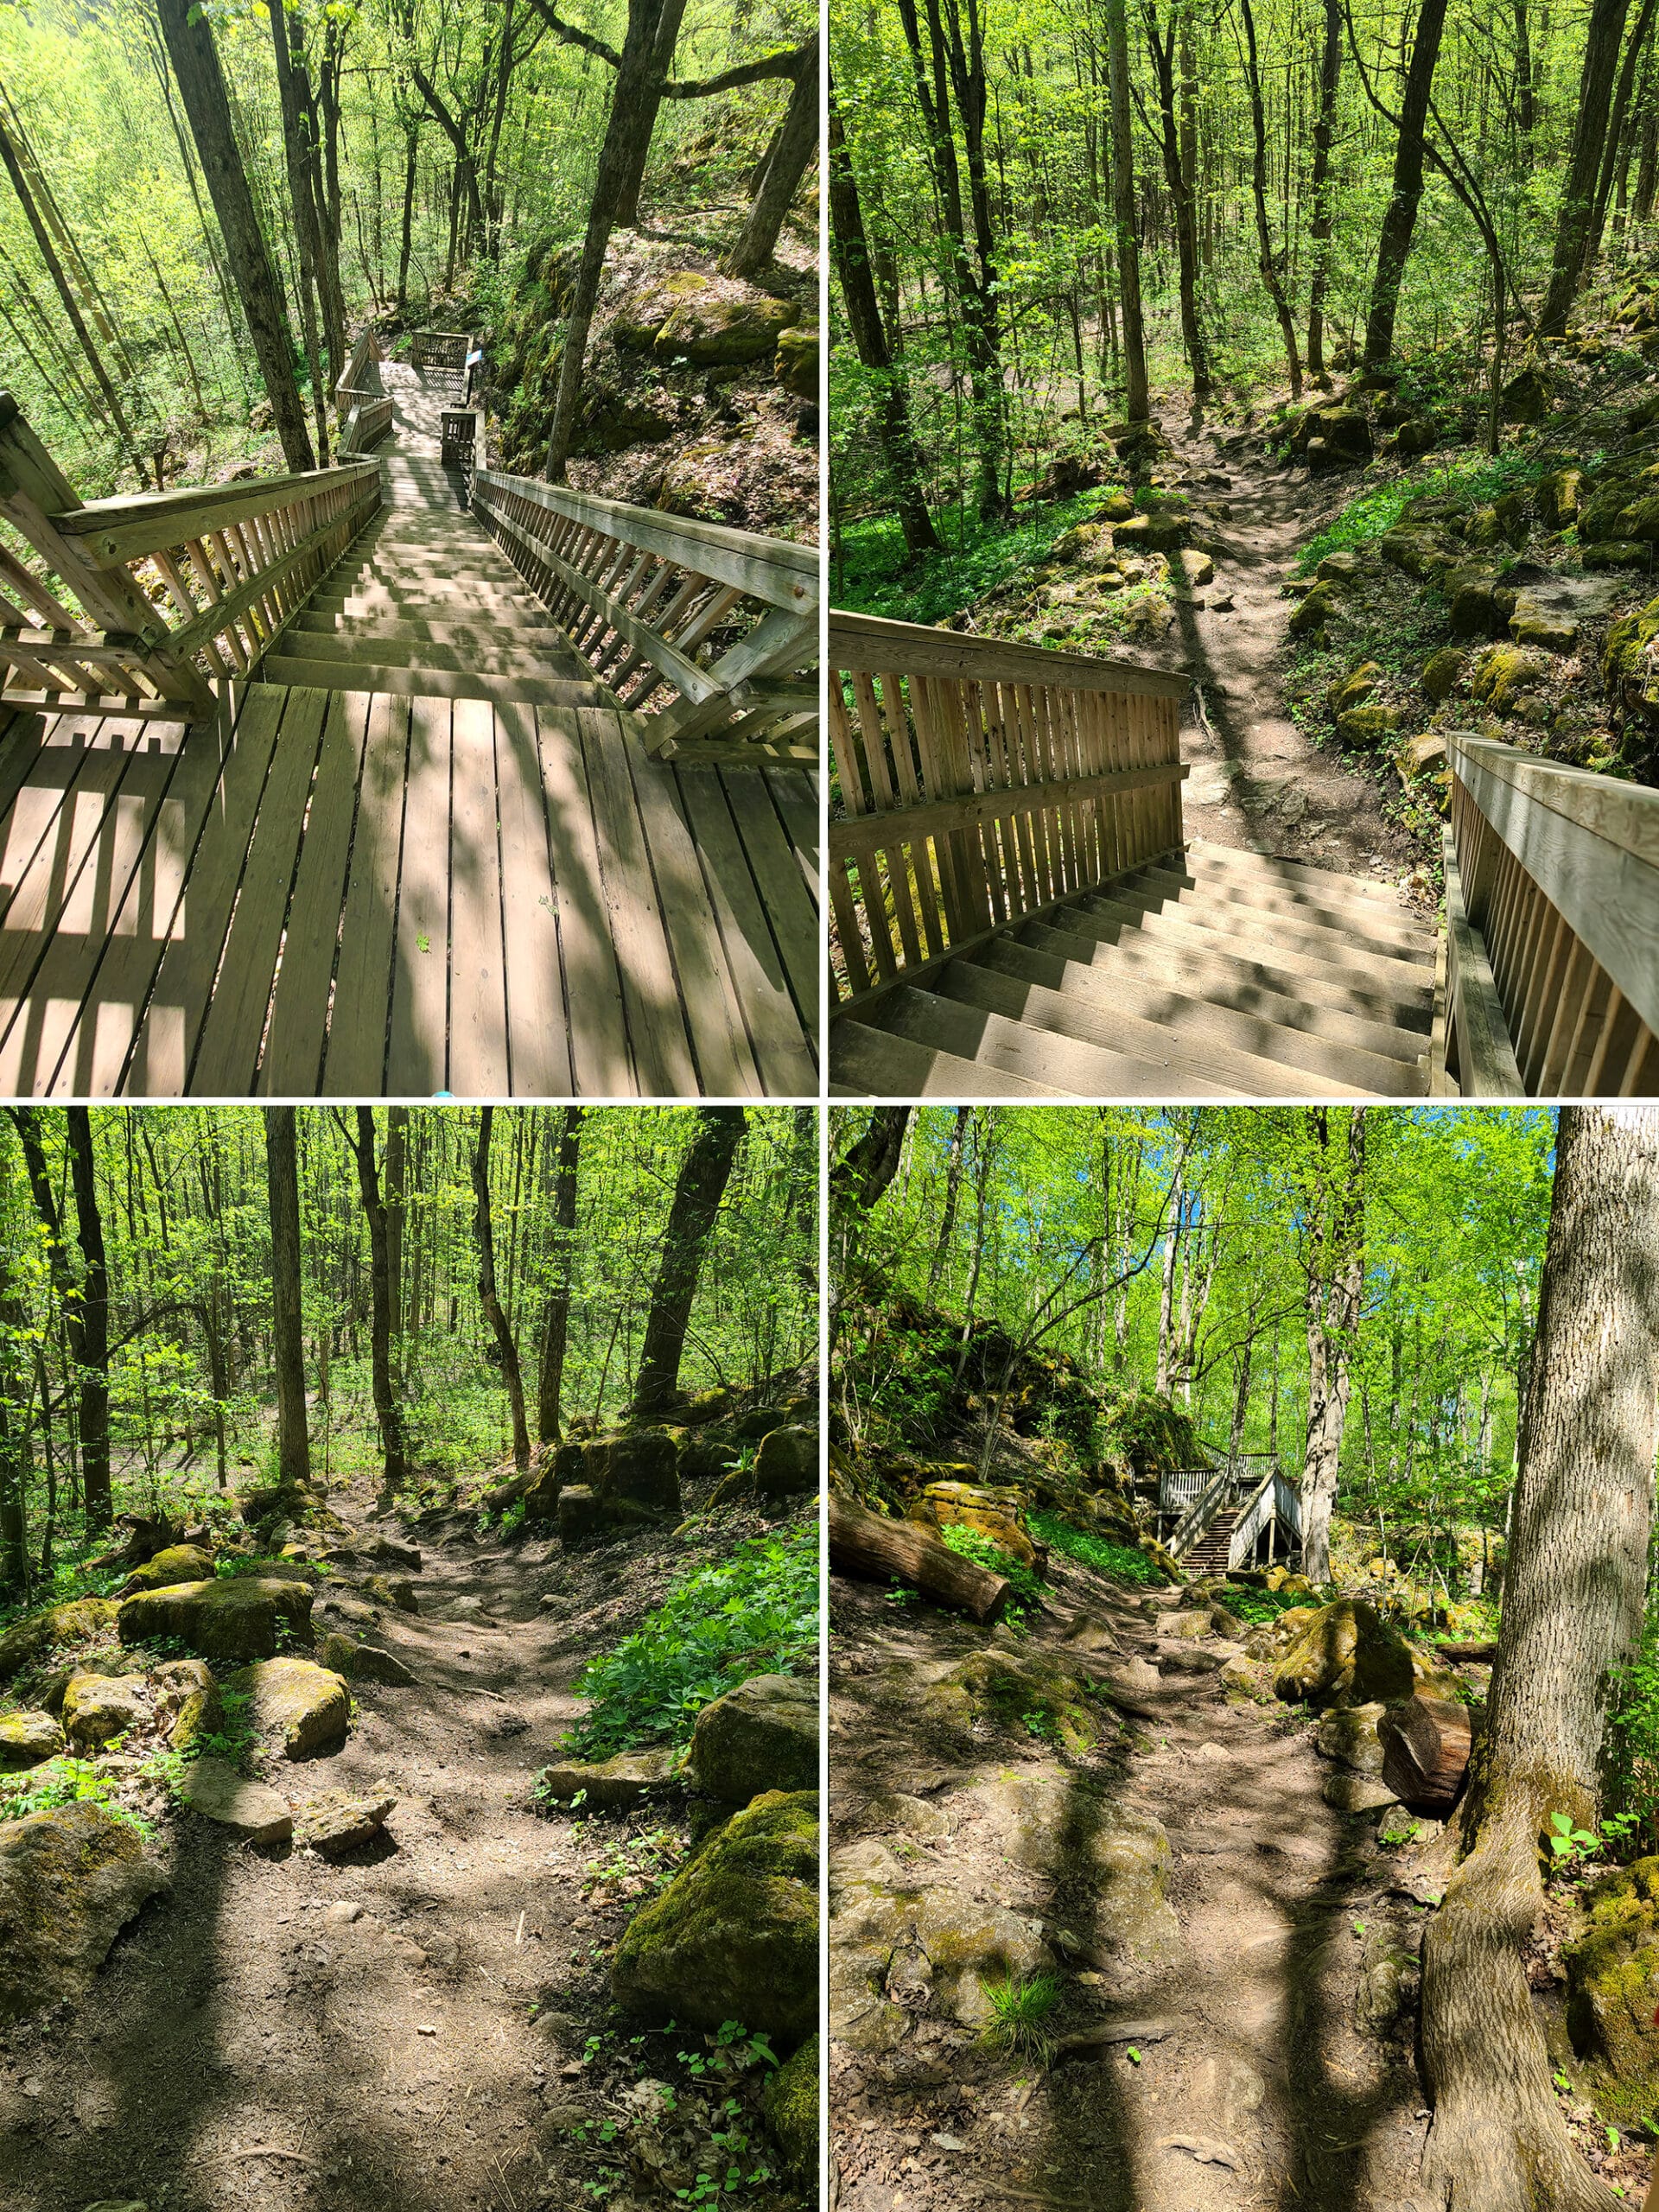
pixel 1123 1561
pixel 1478 478
pixel 755 1612
pixel 66 1781
pixel 875 574
pixel 1258 1607
pixel 974 1544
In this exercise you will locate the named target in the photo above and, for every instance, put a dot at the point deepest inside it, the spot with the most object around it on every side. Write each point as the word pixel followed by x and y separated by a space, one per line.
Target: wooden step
pixel 1058 1063
pixel 282 667
pixel 423 605
pixel 1365 923
pixel 1258 1050
pixel 1228 978
pixel 1254 926
pixel 391 652
pixel 1179 924
pixel 1321 882
pixel 869 1062
pixel 524 634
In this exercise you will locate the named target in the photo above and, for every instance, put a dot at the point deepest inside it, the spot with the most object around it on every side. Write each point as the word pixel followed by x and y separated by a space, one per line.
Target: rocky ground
pixel 405 2007
pixel 1114 1797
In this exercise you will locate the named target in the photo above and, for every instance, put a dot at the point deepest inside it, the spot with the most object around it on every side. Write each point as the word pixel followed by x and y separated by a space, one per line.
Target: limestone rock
pixel 1342 567
pixel 580 1515
pixel 252 1810
pixel 1526 398
pixel 786 1466
pixel 335 1821
pixel 1617 553
pixel 1059 1827
pixel 1334 435
pixel 1554 615
pixel 1238 1676
pixel 1355 1793
pixel 763 1735
pixel 233 1617
pixel 26 1738
pixel 968 1506
pixel 178 1563
pixel 1610 1980
pixel 1367 725
pixel 1354 688
pixel 1008 1688
pixel 723 322
pixel 363 1662
pixel 1346 1655
pixel 1471 591
pixel 70 1880
pixel 1558 496
pixel 1315 610
pixel 610 1785
pixel 1442 673
pixel 1197 567
pixel 1149 533
pixel 795 365
pixel 1187 1624
pixel 97 1707
pixel 1417 547
pixel 30 1639
pixel 1503 675
pixel 639 1469
pixel 1348 1735
pixel 790 2101
pixel 308 1706
pixel 735 1936
pixel 393 1590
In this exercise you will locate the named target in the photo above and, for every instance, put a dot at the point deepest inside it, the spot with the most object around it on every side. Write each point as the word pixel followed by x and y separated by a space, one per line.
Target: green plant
pixel 974 1544
pixel 1019 2004
pixel 753 1612
pixel 1127 1561
pixel 66 1781
pixel 1259 1607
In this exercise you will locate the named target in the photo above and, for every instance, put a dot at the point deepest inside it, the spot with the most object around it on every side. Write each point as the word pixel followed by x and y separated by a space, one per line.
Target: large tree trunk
pixel 556 1323
pixel 703 1176
pixel 1572 1616
pixel 307 238
pixel 1180 181
pixel 190 45
pixel 1335 1262
pixel 792 150
pixel 410 142
pixel 94 1299
pixel 850 250
pixel 382 1301
pixel 1325 132
pixel 1400 217
pixel 287 1330
pixel 488 1299
pixel 1572 225
pixel 1267 265
pixel 1138 406
pixel 637 152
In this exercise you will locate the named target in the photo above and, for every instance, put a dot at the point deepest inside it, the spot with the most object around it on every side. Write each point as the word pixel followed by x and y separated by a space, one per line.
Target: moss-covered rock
pixel 1504 674
pixel 1344 1655
pixel 1315 610
pixel 786 1466
pixel 363 1662
pixel 611 1785
pixel 1037 1693
pixel 1617 553
pixel 790 2101
pixel 1349 1736
pixel 26 1738
pixel 650 304
pixel 1443 672
pixel 307 1707
pixel 31 1639
pixel 1528 396
pixel 1161 532
pixel 1417 546
pixel 1354 688
pixel 719 321
pixel 234 1617
pixel 735 1936
pixel 1612 1989
pixel 1558 497
pixel 1367 725
pixel 796 364
pixel 70 1880
pixel 970 1505
pixel 177 1563
pixel 761 1736
pixel 1627 662
pixel 1474 597
pixel 99 1708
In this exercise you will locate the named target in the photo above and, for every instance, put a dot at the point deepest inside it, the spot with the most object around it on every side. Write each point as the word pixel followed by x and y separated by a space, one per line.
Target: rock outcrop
pixel 70 1880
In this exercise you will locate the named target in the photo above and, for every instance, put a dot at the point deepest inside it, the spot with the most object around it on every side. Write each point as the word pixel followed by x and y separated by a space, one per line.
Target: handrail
pixel 140 603
pixel 359 380
pixel 981 782
pixel 444 350
pixel 707 630
pixel 1256 1514
pixel 1552 928
pixel 366 424
pixel 1203 1509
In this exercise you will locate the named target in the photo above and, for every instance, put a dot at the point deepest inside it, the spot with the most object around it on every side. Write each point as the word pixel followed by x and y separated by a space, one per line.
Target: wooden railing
pixel 1274 1504
pixel 135 606
pixel 440 352
pixel 707 631
pixel 1551 905
pixel 981 782
pixel 360 379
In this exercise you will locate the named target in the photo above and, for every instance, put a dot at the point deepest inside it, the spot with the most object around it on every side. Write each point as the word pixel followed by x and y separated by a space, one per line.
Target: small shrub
pixel 974 1544
pixel 1020 2005
pixel 1126 1561
pixel 66 1781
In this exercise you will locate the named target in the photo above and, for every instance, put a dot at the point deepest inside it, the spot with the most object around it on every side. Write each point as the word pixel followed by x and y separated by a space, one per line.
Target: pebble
pixel 423 2030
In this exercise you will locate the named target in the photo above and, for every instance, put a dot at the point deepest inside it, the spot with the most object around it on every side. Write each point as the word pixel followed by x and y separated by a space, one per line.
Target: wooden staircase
pixel 1209 1555
pixel 1206 972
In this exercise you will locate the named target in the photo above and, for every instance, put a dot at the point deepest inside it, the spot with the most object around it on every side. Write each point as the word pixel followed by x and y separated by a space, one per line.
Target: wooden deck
pixel 368 895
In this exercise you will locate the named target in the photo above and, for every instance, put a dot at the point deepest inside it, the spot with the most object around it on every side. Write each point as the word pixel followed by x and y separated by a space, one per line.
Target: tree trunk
pixel 383 1295
pixel 1325 131
pixel 851 253
pixel 1267 265
pixel 875 1549
pixel 1572 1617
pixel 410 141
pixel 287 1330
pixel 704 1175
pixel 1616 151
pixel 202 86
pixel 396 1176
pixel 1584 161
pixel 1138 406
pixel 487 1299
pixel 792 149
pixel 1336 1274
pixel 556 1325
pixel 307 234
pixel 952 1192
pixel 1179 184
pixel 636 153
pixel 1400 217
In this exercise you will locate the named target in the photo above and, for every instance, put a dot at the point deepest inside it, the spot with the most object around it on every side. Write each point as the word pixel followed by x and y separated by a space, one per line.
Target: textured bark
pixel 308 237
pixel 282 1180
pixel 1325 132
pixel 875 1549
pixel 1138 404
pixel 382 1302
pixel 487 1296
pixel 1335 1264
pixel 1571 1615
pixel 703 1176
pixel 202 86
pixel 1426 1744
pixel 1400 217
pixel 1584 161
pixel 1266 262
pixel 1178 179
pixel 555 1323
pixel 792 150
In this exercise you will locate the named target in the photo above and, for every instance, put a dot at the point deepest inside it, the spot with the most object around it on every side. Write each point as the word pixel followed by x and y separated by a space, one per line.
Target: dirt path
pixel 1255 2085
pixel 1257 781
pixel 285 2035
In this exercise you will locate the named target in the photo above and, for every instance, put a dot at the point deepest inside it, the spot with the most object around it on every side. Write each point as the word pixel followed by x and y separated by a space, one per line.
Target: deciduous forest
pixel 1243 1649
pixel 408 1658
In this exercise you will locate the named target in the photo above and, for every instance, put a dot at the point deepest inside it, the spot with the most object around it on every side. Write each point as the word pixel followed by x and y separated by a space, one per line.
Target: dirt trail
pixel 1257 782
pixel 1254 2087
pixel 283 2035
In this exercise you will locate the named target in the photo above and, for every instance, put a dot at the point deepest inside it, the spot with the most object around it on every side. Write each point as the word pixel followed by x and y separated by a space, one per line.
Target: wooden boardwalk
pixel 364 893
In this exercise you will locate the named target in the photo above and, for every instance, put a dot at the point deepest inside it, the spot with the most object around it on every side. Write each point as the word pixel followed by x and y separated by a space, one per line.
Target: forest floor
pixel 424 2025
pixel 1263 2027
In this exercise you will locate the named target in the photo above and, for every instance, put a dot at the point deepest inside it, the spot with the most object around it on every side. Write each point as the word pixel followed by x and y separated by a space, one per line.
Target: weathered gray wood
pixel 864 643
pixel 127 529
pixel 865 833
pixel 1476 1023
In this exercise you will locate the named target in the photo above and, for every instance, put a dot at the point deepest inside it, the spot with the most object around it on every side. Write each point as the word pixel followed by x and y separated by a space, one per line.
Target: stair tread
pixel 433 683
pixel 371 650
pixel 1352 964
pixel 1243 896
pixel 1295 871
pixel 1187 906
pixel 525 636
pixel 868 1062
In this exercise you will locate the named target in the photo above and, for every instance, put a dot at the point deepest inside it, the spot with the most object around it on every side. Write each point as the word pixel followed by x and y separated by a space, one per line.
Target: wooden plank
pixel 599 1057
pixel 478 1004
pixel 126 528
pixel 870 1063
pixel 1486 1066
pixel 726 1063
pixel 795 795
pixel 158 1061
pixel 37 894
pixel 538 1035
pixel 1625 815
pixel 783 1050
pixel 290 1064
pixel 354 1061
pixel 657 1022
pixel 864 641
pixel 418 1056
pixel 791 913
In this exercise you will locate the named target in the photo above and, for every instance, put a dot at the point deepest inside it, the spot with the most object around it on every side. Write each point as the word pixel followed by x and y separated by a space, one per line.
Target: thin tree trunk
pixel 793 149
pixel 698 1191
pixel 1267 264
pixel 1179 184
pixel 1336 1274
pixel 1325 131
pixel 287 1327
pixel 1602 43
pixel 383 1295
pixel 1572 1607
pixel 556 1322
pixel 952 1191
pixel 1400 217
pixel 1138 405
pixel 500 1329
pixel 636 153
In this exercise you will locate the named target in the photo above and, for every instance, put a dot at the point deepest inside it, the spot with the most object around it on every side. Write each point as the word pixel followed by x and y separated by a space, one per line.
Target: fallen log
pixel 876 1550
pixel 1426 1743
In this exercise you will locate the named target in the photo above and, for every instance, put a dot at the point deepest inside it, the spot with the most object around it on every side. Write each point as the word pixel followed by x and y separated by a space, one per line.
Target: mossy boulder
pixel 639 1469
pixel 363 1662
pixel 735 1936
pixel 720 322
pixel 1015 1694
pixel 1554 615
pixel 99 1708
pixel 1346 1655
pixel 1316 608
pixel 26 1738
pixel 967 1505
pixel 790 2101
pixel 1417 547
pixel 1348 1735
pixel 1528 396
pixel 761 1736
pixel 1149 533
pixel 1474 597
pixel 642 314
pixel 1442 673
pixel 757 1422
pixel 31 1639
pixel 177 1563
pixel 796 363
pixel 1342 567
pixel 1617 553
pixel 610 1785
pixel 1612 1989
pixel 1627 662
pixel 786 1466
pixel 613 421
pixel 70 1880
pixel 1368 725
pixel 1504 674
pixel 1334 435
pixel 233 1617
pixel 304 1707
pixel 1354 688
pixel 1558 497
